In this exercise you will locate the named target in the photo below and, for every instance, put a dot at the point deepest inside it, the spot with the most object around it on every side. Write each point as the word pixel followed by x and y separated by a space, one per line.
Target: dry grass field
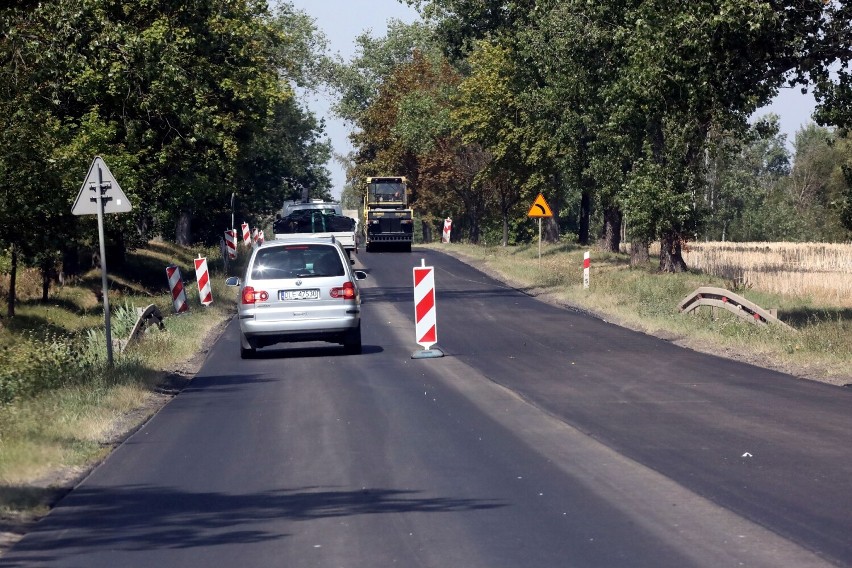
pixel 819 272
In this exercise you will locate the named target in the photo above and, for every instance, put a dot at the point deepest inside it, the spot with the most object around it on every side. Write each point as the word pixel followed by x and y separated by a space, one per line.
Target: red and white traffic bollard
pixel 254 238
pixel 205 294
pixel 587 265
pixel 176 287
pixel 425 315
pixel 231 243
pixel 260 238
pixel 246 234
pixel 448 228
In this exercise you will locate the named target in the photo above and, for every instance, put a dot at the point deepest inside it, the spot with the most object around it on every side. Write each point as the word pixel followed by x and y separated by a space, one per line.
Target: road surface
pixel 544 438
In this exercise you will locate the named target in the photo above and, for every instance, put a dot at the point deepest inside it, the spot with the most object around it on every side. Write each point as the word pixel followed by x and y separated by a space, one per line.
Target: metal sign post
pixel 108 198
pixel 539 243
pixel 539 210
pixel 99 191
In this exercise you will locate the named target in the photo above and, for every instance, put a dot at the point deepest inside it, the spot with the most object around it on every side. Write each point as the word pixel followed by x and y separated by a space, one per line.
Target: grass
pixel 62 407
pixel 820 348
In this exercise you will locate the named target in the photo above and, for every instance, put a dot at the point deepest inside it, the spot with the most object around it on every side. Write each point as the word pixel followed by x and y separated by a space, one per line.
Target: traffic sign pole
pixel 99 190
pixel 539 243
pixel 102 183
pixel 539 209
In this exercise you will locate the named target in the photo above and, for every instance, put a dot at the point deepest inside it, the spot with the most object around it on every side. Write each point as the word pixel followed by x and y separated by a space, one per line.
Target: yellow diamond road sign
pixel 540 208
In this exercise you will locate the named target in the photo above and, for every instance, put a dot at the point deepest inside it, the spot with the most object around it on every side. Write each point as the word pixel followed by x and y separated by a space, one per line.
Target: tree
pixel 35 214
pixel 186 102
pixel 817 182
pixel 643 87
pixel 744 178
pixel 459 24
pixel 357 83
pixel 193 89
pixel 846 207
pixel 577 56
pixel 487 113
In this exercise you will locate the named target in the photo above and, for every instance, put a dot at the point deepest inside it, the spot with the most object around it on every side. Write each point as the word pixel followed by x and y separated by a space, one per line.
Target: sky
pixel 343 20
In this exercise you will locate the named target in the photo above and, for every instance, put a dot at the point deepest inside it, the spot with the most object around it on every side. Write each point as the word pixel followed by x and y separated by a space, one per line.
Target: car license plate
pixel 309 294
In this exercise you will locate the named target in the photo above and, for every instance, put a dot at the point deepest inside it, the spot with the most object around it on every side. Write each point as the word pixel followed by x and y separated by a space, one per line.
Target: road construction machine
pixel 388 221
pixel 316 218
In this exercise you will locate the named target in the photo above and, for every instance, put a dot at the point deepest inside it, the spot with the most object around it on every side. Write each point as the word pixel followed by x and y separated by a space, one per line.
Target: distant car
pixel 299 290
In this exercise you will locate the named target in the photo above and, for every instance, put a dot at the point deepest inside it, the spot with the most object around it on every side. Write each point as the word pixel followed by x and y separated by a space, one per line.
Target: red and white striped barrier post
pixel 425 316
pixel 448 228
pixel 254 238
pixel 176 287
pixel 587 264
pixel 260 238
pixel 205 294
pixel 246 234
pixel 231 243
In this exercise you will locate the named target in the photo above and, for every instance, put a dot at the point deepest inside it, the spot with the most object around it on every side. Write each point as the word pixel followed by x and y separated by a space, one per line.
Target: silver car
pixel 299 290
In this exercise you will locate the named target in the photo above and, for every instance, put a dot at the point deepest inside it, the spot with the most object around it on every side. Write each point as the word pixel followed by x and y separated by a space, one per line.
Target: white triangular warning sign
pixel 113 198
pixel 540 208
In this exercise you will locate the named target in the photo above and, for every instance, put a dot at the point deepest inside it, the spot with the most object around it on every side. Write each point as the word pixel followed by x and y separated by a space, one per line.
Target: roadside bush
pixel 36 364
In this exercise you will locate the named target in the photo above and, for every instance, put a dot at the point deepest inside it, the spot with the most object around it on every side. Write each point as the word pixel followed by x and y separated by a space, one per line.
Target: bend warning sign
pixel 540 208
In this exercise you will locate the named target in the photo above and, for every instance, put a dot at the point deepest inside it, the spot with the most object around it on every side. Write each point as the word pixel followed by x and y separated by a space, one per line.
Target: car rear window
pixel 296 261
pixel 313 221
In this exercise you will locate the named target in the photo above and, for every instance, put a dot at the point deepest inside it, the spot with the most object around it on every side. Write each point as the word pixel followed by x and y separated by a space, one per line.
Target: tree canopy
pixel 187 102
pixel 633 117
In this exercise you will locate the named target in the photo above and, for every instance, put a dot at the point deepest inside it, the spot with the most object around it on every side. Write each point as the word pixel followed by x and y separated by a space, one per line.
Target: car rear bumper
pixel 261 333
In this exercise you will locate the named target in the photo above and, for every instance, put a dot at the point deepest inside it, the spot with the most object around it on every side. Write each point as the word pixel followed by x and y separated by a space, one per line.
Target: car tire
pixel 352 341
pixel 247 349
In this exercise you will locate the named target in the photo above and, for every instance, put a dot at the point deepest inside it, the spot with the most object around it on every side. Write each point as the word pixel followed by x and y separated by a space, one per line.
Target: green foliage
pixel 122 319
pixel 646 105
pixel 40 362
pixel 187 103
pixel 358 82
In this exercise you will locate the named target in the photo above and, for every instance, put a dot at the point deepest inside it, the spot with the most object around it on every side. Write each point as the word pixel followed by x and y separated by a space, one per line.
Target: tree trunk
pixel 116 249
pixel 611 239
pixel 70 263
pixel 48 273
pixel 585 216
pixel 550 230
pixel 639 255
pixel 505 242
pixel 551 224
pixel 13 274
pixel 183 230
pixel 426 230
pixel 474 228
pixel 671 258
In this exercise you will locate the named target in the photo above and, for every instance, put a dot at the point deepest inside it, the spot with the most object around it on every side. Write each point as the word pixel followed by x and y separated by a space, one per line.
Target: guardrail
pixel 734 303
pixel 147 317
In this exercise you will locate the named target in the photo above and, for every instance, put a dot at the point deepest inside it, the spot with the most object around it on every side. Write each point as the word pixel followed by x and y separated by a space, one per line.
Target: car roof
pixel 301 241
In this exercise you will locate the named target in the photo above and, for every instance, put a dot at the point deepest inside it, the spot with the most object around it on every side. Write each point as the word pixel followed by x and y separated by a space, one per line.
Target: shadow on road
pixel 141 518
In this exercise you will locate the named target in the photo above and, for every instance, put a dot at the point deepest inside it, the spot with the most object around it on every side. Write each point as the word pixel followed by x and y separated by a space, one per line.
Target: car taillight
pixel 347 291
pixel 250 295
